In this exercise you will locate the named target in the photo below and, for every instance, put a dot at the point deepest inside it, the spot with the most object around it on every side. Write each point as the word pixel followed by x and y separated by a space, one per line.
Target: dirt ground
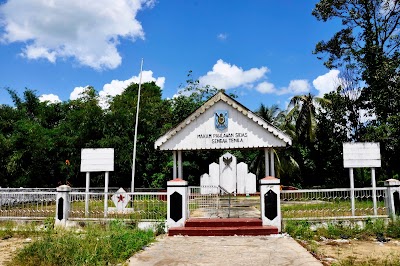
pixel 331 251
pixel 9 247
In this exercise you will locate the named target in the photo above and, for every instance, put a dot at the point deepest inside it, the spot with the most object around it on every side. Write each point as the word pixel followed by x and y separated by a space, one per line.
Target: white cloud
pixel 116 87
pixel 297 86
pixel 78 92
pixel 227 76
pixel 88 31
pixel 33 52
pixel 327 82
pixel 50 98
pixel 222 36
pixel 266 87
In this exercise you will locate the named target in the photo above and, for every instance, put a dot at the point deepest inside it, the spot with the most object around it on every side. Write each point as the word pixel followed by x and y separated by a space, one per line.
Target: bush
pixel 97 245
pixel 299 229
pixel 334 230
pixel 393 228
pixel 376 227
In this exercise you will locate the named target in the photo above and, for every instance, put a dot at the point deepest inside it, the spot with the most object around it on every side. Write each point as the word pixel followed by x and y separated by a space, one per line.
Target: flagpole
pixel 136 128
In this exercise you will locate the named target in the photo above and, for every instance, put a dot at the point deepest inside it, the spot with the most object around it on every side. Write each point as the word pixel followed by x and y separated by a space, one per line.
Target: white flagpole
pixel 136 127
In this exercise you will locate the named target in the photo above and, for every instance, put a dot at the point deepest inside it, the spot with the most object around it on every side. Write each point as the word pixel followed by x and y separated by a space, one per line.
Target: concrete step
pixel 223 231
pixel 222 222
pixel 223 227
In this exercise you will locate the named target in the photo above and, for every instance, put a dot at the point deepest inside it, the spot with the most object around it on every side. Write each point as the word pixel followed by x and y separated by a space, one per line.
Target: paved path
pixel 229 250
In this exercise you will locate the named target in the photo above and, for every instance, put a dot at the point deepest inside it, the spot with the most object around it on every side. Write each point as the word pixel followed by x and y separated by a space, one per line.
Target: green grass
pixel 301 209
pixel 302 229
pixel 10 229
pixel 96 244
pixel 145 208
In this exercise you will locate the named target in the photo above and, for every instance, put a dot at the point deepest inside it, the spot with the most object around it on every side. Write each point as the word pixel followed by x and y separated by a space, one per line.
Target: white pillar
pixel 266 158
pixel 87 194
pixel 374 190
pixel 62 205
pixel 272 162
pixel 177 210
pixel 106 194
pixel 180 168
pixel 353 211
pixel 270 194
pixel 174 169
pixel 393 185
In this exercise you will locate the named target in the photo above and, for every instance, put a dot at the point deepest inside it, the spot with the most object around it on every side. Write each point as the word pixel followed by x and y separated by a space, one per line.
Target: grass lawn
pixel 94 244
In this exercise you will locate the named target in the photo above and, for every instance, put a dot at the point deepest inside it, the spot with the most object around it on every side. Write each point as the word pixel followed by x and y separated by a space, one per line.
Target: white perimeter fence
pixel 40 204
pixel 336 203
pixel 322 204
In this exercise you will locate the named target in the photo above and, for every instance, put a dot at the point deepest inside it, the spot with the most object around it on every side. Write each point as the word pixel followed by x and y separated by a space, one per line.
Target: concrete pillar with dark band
pixel 62 205
pixel 177 211
pixel 392 197
pixel 270 195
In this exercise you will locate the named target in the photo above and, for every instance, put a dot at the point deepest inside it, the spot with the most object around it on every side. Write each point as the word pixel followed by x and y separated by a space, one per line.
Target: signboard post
pixel 360 155
pixel 97 160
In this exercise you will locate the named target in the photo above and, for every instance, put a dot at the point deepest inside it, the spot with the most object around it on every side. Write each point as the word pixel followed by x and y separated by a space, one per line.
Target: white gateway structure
pixel 222 123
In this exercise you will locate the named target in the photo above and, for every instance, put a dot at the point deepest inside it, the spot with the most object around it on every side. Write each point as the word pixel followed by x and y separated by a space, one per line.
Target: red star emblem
pixel 121 198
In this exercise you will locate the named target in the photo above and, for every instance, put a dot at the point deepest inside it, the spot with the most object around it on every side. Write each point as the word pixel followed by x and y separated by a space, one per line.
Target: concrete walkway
pixel 232 250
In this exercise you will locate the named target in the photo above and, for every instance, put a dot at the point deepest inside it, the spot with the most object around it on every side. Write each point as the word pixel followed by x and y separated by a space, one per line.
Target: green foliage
pixel 6 230
pixel 96 245
pixel 345 230
pixel 393 228
pixel 299 229
pixel 37 139
pixel 368 45
pixel 303 112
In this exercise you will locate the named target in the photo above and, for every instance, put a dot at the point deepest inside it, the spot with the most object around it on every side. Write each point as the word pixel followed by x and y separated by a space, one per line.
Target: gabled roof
pixel 280 138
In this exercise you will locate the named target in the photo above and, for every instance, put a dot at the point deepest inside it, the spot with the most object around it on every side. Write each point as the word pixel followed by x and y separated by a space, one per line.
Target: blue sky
pixel 261 50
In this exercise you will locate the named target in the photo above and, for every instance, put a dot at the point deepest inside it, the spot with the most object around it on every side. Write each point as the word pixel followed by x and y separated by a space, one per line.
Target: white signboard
pixel 359 155
pixel 97 160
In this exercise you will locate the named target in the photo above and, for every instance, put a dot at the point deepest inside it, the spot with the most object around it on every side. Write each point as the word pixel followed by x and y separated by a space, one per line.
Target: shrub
pixel 299 229
pixel 393 228
pixel 97 245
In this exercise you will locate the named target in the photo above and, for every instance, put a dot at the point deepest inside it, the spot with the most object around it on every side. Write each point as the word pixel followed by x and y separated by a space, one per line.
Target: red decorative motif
pixel 121 198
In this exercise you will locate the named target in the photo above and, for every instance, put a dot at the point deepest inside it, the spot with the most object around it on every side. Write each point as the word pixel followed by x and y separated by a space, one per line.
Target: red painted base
pixel 223 227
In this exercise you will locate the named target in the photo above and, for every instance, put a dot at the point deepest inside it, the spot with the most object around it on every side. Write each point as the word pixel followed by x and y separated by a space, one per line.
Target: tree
pixel 303 111
pixel 334 128
pixel 151 165
pixel 368 43
pixel 28 150
pixel 273 114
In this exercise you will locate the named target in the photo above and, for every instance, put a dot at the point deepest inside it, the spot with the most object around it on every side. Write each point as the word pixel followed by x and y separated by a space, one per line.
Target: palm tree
pixel 273 114
pixel 285 165
pixel 304 108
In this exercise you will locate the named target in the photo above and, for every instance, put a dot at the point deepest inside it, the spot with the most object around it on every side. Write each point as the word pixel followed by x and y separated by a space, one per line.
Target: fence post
pixel 392 197
pixel 270 194
pixel 62 205
pixel 177 210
